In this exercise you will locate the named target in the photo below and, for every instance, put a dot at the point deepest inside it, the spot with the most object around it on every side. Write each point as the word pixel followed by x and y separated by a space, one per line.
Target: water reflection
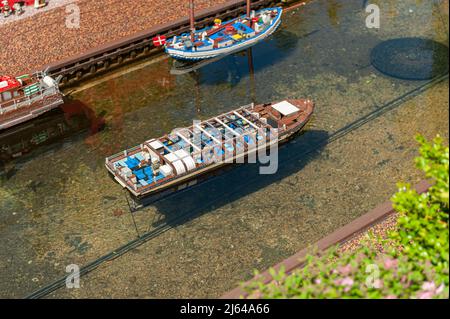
pixel 333 7
pixel 233 68
pixel 195 74
pixel 66 124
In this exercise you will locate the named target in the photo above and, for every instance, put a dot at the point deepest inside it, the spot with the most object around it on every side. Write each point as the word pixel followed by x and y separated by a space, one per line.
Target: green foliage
pixel 412 263
pixel 423 221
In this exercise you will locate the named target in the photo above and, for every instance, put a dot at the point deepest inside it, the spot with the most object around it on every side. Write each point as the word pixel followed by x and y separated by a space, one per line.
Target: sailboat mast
pixel 192 18
pixel 249 8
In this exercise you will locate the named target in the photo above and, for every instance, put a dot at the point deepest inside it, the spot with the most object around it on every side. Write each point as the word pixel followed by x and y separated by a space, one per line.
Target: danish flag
pixel 159 41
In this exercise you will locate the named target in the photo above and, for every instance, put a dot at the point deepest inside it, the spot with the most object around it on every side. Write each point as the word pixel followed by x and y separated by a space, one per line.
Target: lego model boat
pixel 224 37
pixel 25 97
pixel 178 159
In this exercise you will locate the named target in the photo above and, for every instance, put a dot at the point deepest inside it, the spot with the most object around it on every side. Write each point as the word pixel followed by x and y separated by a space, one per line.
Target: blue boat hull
pixel 196 55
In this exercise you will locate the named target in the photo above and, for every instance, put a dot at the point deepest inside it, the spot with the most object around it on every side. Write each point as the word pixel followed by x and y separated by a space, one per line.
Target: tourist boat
pixel 27 96
pixel 180 158
pixel 224 37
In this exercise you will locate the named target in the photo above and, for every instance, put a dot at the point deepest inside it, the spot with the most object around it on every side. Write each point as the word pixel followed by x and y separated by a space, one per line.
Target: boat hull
pixel 189 181
pixel 213 53
pixel 190 178
pixel 31 112
pixel 27 97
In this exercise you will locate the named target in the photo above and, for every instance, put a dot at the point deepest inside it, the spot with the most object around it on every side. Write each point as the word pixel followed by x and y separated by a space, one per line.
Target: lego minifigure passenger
pixel 6 9
pixel 18 10
pixel 39 4
pixel 155 166
pixel 146 155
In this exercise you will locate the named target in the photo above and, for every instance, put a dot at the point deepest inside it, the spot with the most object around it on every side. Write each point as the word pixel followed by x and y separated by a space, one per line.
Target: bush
pixel 413 261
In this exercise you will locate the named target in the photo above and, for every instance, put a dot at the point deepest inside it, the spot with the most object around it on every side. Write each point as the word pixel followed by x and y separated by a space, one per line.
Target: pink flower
pixel 317 281
pixel 440 289
pixel 390 263
pixel 256 295
pixel 429 286
pixel 391 297
pixel 345 270
pixel 425 294
pixel 347 281
pixel 377 284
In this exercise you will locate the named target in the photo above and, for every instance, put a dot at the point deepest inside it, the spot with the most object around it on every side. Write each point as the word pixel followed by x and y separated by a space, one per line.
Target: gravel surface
pixel 44 38
pixel 382 229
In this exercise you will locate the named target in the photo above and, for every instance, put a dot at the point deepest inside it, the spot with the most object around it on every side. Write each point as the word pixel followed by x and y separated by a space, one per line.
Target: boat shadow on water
pixel 234 67
pixel 235 182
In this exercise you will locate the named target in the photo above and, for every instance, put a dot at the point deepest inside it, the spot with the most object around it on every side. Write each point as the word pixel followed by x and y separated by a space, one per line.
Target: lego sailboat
pixel 223 37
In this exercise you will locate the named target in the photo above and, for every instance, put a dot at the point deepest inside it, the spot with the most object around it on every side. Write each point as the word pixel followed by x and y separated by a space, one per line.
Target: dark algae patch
pixel 411 58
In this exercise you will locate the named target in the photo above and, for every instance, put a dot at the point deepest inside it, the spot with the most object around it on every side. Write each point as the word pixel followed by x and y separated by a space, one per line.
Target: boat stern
pixel 288 115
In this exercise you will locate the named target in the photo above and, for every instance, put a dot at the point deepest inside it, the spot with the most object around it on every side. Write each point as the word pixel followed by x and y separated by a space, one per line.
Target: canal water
pixel 58 206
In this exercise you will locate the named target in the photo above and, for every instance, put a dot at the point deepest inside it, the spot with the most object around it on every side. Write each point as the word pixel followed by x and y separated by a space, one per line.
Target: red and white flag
pixel 159 41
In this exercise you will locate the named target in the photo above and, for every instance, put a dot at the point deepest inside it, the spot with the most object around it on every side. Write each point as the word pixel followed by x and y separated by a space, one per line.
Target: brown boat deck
pixel 305 106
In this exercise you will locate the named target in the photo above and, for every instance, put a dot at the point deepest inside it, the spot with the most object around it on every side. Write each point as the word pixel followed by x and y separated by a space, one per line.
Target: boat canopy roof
pixel 285 108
